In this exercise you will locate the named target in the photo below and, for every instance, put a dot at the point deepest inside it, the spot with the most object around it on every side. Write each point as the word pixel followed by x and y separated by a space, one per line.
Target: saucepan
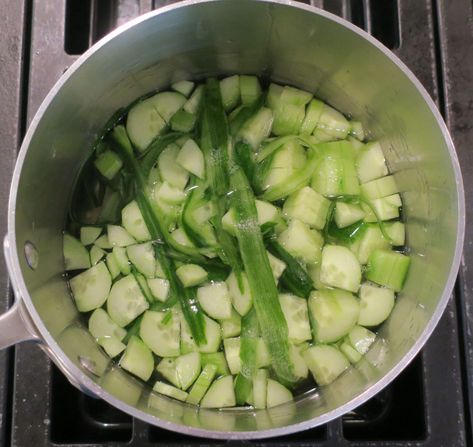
pixel 290 43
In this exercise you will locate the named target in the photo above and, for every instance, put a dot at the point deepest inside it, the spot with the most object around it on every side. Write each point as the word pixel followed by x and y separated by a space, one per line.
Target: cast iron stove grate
pixel 427 405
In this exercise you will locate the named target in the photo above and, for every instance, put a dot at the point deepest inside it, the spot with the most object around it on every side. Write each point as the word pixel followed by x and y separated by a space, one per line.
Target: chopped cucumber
pixel 388 268
pixel 169 194
pixel 288 119
pixel 357 130
pixel 187 343
pixel 183 121
pixel 220 394
pixel 340 268
pixel 183 87
pixel 376 303
pixel 386 208
pixel 134 223
pixel 88 235
pixel 333 314
pixel 103 242
pixel 111 345
pixel 112 265
pixel 193 103
pixel 361 339
pixel 371 240
pixel 312 116
pixel 167 104
pixel 231 327
pixel 250 89
pixel 297 317
pixel 101 325
pixel 277 394
pixel 370 163
pixel 212 335
pixel 215 300
pixel 379 188
pixel 277 266
pixel 260 388
pixel 333 123
pixel 170 391
pixel 169 168
pixel 202 384
pixel 347 214
pixel 161 333
pixel 159 288
pixel 216 359
pixel 191 275
pixel 350 352
pixel 119 237
pixel 188 369
pixel 308 206
pixel 326 363
pixel 397 232
pixel 126 301
pixel 180 236
pixel 257 128
pixel 232 354
pixel 190 157
pixel 138 359
pixel 76 255
pixel 91 288
pixel 241 299
pixel 300 368
pixel 167 368
pixel 108 163
pixel 274 95
pixel 119 253
pixel 142 257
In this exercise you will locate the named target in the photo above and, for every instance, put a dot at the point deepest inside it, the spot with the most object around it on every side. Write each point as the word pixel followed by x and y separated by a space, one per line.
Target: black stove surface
pixel 427 405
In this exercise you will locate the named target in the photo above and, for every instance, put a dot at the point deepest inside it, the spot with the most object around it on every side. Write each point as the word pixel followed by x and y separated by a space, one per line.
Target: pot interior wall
pixel 286 44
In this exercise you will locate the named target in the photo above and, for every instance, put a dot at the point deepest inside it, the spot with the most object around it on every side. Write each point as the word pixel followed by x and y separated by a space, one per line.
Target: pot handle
pixel 15 325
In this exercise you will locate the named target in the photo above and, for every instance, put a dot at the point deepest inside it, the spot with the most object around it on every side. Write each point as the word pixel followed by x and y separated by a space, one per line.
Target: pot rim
pixel 89 385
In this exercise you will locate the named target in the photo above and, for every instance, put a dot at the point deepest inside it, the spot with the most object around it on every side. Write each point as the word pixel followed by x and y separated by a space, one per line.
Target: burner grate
pixel 421 407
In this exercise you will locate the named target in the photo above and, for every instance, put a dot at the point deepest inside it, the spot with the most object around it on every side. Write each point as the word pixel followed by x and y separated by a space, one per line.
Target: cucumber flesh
pixel 215 300
pixel 231 327
pixel 371 240
pixel 220 394
pixel 312 116
pixel 340 268
pixel 216 359
pixel 112 265
pixel 212 335
pixel 188 368
pixel 191 275
pixel 350 352
pixel 76 255
pixel 361 339
pixel 133 222
pixel 202 384
pixel 241 300
pixel 250 89
pixel 297 317
pixel 103 242
pixel 333 123
pixel 88 235
pixel 347 214
pixel 376 303
pixel 108 163
pixel 111 345
pixel 300 368
pixel 193 103
pixel 277 266
pixel 260 388
pixel 230 91
pixel 277 394
pixel 257 128
pixel 190 157
pixel 326 363
pixel 90 288
pixel 370 163
pixel 183 87
pixel 167 104
pixel 101 325
pixel 170 170
pixel 167 368
pixel 142 257
pixel 160 334
pixel 170 391
pixel 388 268
pixel 138 359
pixel 159 288
pixel 379 188
pixel 119 237
pixel 119 253
pixel 386 208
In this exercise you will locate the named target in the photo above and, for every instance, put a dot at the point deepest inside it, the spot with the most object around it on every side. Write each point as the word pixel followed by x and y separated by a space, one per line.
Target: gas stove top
pixel 427 405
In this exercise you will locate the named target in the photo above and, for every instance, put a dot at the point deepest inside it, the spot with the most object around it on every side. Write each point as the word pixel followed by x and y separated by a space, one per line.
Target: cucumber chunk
pixel 302 242
pixel 190 157
pixel 202 384
pixel 277 266
pixel 308 206
pixel 260 388
pixel 76 255
pixel 188 368
pixel 326 363
pixel 142 257
pixel 277 394
pixel 112 265
pixel 397 232
pixel 213 336
pixel 88 235
pixel 300 368
pixel 170 391
pixel 134 223
pixel 183 87
pixel 169 194
pixel 168 103
pixel 170 170
pixel 138 359
pixel 347 214
pixel 370 163
pixel 126 301
pixel 257 128
pixel 333 313
pixel 274 95
pixel 388 268
pixel 297 317
pixel 220 394
pixel 241 300
pixel 91 288
pixel 386 208
pixel 296 96
pixel 193 103
pixel 231 327
pixel 108 163
pixel 350 352
pixel 159 288
pixel 312 116
pixel 111 345
pixel 161 337
pixel 379 188
pixel 250 89
pixel 333 123
pixel 119 237
pixel 216 359
pixel 101 325
pixel 230 91
pixel 232 354
pixel 340 268
pixel 357 130
pixel 215 300
pixel 119 253
pixel 103 242
pixel 371 240
pixel 288 119
pixel 167 368
pixel 361 339
pixel 191 275
pixel 376 303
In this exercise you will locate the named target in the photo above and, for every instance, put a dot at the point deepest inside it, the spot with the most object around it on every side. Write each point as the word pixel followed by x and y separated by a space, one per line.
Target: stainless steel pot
pixel 291 43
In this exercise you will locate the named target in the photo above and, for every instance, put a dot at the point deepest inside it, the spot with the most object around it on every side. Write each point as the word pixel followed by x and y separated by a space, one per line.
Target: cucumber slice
pixel 397 232
pixel 333 123
pixel 134 223
pixel 170 391
pixel 121 258
pixel 170 170
pixel 302 242
pixel 144 124
pixel 96 254
pixel 112 265
pixel 388 268
pixel 108 163
pixel 190 157
pixel 277 394
pixel 231 347
pixel 212 335
pixel 167 368
pixel 143 283
pixel 119 237
pixel 103 242
pixel 260 388
pixel 90 288
pixel 356 145
pixel 215 300
pixel 180 236
pixel 295 96
pixel 308 206
pixel 232 326
pixel 188 368
pixel 257 128
pixel 220 394
pixel 386 208
pixel 370 163
pixel 241 300
pixel 288 119
pixel 138 359
pixel 300 368
pixel 312 116
pixel 350 352
pixel 376 303
pixel 371 240
pixel 187 340
pixel 76 255
pixel 361 339
pixel 326 363
pixel 161 337
pixel 230 91
pixel 297 317
pixel 347 214
pixel 250 89
pixel 193 103
pixel 168 103
pixel 112 346
pixel 88 235
pixel 262 354
pixel 159 288
pixel 277 266
pixel 274 95
pixel 379 188
pixel 183 121
pixel 169 194
pixel 340 268
pixel 126 301
pixel 333 314
pixel 191 275
pixel 314 273
pixel 101 325
pixel 183 87
pixel 357 130
pixel 202 384
pixel 216 359
pixel 142 257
